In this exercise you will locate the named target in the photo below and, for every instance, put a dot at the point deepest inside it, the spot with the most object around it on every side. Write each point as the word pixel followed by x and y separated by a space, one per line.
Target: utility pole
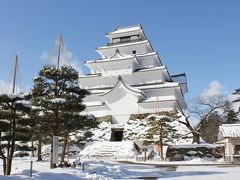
pixel 15 73
pixel 59 50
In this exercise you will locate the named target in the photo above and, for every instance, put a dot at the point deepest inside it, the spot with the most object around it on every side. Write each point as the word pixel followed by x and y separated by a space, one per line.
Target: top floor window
pixel 125 39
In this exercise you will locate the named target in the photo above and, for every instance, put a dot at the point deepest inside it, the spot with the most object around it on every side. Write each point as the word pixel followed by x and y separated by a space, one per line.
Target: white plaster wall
pixel 154 107
pixel 97 111
pixel 117 72
pixel 107 67
pixel 148 61
pixel 93 98
pixel 122 105
pixel 160 92
pixel 121 110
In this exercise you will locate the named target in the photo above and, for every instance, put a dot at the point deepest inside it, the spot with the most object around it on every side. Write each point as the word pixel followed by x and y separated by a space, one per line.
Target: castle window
pixel 125 39
pixel 134 52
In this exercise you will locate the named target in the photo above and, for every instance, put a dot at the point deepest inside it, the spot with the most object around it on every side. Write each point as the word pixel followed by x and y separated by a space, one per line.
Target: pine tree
pixel 14 121
pixel 161 129
pixel 237 93
pixel 38 132
pixel 57 94
pixel 230 115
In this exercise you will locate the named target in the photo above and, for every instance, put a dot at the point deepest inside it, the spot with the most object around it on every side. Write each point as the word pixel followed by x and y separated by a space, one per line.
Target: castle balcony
pixel 123 41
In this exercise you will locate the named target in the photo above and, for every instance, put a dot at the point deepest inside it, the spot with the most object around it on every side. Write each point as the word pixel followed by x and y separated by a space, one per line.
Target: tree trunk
pixel 195 133
pixel 39 152
pixel 65 143
pixel 9 166
pixel 161 143
pixel 161 150
pixel 52 165
pixel 32 152
pixel 11 148
pixel 3 156
pixel 196 137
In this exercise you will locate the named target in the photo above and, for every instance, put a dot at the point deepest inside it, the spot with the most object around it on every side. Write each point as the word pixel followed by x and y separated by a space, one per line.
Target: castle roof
pixel 125 29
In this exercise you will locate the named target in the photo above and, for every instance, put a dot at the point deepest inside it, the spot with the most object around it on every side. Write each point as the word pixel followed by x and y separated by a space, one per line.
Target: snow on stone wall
pixel 135 130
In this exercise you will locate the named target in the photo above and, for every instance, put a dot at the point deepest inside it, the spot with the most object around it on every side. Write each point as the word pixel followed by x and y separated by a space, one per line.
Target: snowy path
pixel 107 170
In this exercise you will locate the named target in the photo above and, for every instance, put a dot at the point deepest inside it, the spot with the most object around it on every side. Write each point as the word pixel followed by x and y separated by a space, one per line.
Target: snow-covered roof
pixel 126 29
pixel 151 69
pixel 97 103
pixel 229 130
pixel 89 75
pixel 98 91
pixel 165 85
pixel 136 87
pixel 113 58
pixel 160 98
pixel 119 55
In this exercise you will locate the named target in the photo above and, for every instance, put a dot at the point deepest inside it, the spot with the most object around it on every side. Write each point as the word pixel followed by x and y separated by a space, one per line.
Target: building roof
pixel 120 56
pixel 130 88
pixel 230 130
pixel 121 45
pixel 95 103
pixel 126 29
pixel 151 68
pixel 115 57
pixel 181 78
pixel 159 98
pixel 117 54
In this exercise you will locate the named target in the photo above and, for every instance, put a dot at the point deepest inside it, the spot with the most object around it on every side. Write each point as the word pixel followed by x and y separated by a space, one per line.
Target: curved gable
pixel 126 87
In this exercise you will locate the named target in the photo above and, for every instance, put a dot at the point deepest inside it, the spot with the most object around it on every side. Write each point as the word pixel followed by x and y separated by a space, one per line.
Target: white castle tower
pixel 130 78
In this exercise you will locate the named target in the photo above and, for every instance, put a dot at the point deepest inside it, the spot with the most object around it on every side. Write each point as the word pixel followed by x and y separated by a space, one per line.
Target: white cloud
pixel 3 87
pixel 215 88
pixel 66 57
pixel 6 87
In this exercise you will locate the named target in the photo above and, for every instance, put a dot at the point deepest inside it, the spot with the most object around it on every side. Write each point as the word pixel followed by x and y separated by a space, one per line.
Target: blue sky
pixel 200 38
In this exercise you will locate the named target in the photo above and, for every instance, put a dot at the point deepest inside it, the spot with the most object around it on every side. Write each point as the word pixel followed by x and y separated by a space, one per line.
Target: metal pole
pixel 14 74
pixel 31 166
pixel 145 156
pixel 59 51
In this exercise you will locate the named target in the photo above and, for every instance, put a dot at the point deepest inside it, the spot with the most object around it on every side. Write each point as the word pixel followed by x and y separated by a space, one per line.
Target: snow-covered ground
pixel 113 170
